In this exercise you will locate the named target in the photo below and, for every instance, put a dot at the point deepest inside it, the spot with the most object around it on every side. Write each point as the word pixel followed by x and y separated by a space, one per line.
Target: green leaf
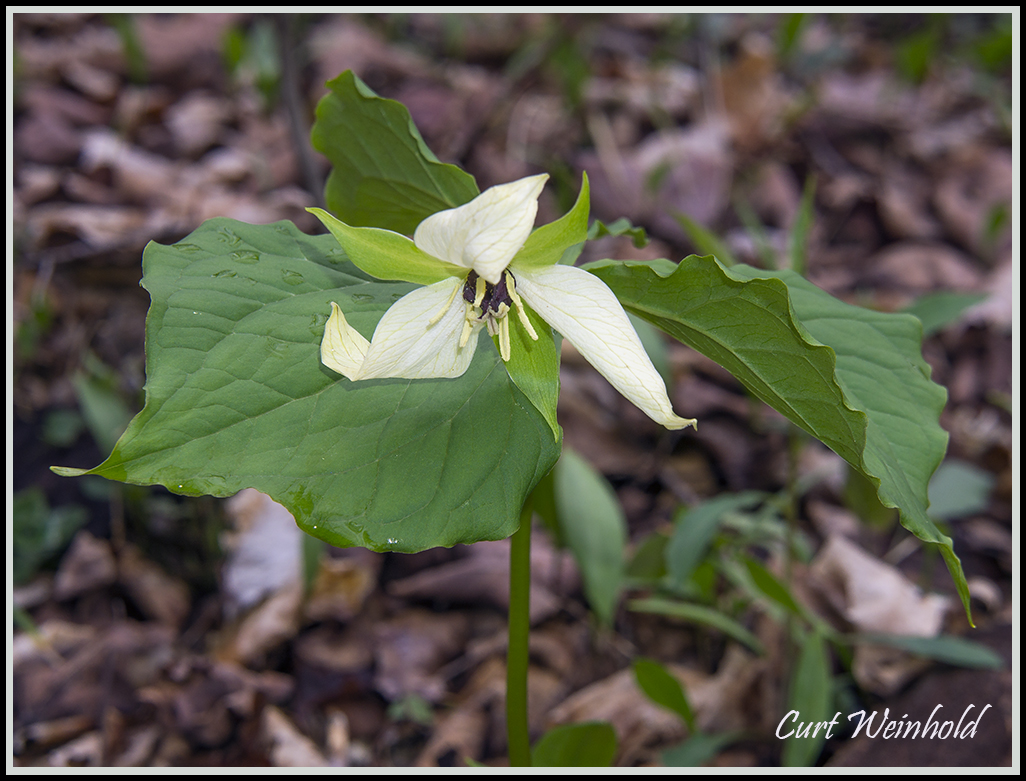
pixel 699 614
pixel 592 525
pixel 950 650
pixel 663 689
pixel 383 174
pixel 236 397
pixel 694 530
pixel 620 227
pixel 587 744
pixel 699 748
pixel 958 489
pixel 937 310
pixel 811 695
pixel 705 240
pixel 38 532
pixel 798 236
pixel 853 378
pixel 771 588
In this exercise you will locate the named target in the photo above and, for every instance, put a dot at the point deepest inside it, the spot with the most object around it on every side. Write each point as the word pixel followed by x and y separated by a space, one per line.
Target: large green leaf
pixel 383 174
pixel 851 377
pixel 591 523
pixel 236 397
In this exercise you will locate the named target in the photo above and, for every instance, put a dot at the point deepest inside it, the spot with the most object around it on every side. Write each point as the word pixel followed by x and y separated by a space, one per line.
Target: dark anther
pixel 470 289
pixel 494 297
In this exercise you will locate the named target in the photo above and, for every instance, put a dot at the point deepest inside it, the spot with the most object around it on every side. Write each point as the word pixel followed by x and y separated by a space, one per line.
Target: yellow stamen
pixel 479 292
pixel 521 313
pixel 467 325
pixel 444 309
pixel 504 338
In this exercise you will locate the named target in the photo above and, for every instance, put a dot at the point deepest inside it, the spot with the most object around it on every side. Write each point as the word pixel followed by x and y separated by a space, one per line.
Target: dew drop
pixel 225 273
pixel 228 236
pixel 246 256
pixel 317 324
pixel 291 277
pixel 187 247
pixel 362 297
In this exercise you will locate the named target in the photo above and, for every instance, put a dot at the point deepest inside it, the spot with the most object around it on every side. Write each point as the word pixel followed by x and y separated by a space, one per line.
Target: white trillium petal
pixel 582 308
pixel 487 232
pixel 419 336
pixel 343 348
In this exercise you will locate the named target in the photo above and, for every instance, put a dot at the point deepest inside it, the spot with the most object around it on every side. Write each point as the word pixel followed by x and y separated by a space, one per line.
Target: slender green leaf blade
pixel 937 310
pixel 810 698
pixel 694 530
pixel 236 397
pixel 699 614
pixel 767 584
pixel 663 689
pixel 383 174
pixel 699 748
pixel 592 525
pixel 946 648
pixel 586 744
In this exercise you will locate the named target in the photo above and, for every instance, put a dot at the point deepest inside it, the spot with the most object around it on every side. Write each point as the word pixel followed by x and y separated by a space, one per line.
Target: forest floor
pixel 157 630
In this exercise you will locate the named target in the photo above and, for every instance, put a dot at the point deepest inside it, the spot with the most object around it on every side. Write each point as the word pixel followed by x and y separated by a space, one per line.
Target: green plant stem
pixel 519 633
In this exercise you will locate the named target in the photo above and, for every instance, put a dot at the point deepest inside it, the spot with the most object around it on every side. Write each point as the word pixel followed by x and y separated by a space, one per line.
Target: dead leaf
pixel 341 587
pixel 289 746
pixel 264 550
pixel 921 267
pixel 977 183
pixel 410 648
pixel 753 95
pixel 197 121
pixel 874 596
pixel 685 171
pixel 263 628
pixel 88 564
pixel 156 593
pixel 482 576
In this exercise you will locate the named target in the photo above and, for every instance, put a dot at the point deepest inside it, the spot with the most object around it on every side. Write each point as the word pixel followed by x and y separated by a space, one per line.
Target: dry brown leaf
pixel 411 647
pixel 639 722
pixel 197 121
pixel 156 593
pixel 874 596
pixel 977 183
pixel 482 577
pixel 265 627
pixel 920 267
pixel 85 751
pixel 685 171
pixel 288 746
pixel 88 564
pixel 341 587
pixel 264 552
pixel 753 96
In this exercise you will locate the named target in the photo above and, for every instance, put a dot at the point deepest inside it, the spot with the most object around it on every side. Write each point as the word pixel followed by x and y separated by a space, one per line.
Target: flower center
pixel 491 303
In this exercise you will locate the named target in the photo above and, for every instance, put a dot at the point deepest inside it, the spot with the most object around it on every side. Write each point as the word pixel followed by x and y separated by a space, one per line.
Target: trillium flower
pixel 481 267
